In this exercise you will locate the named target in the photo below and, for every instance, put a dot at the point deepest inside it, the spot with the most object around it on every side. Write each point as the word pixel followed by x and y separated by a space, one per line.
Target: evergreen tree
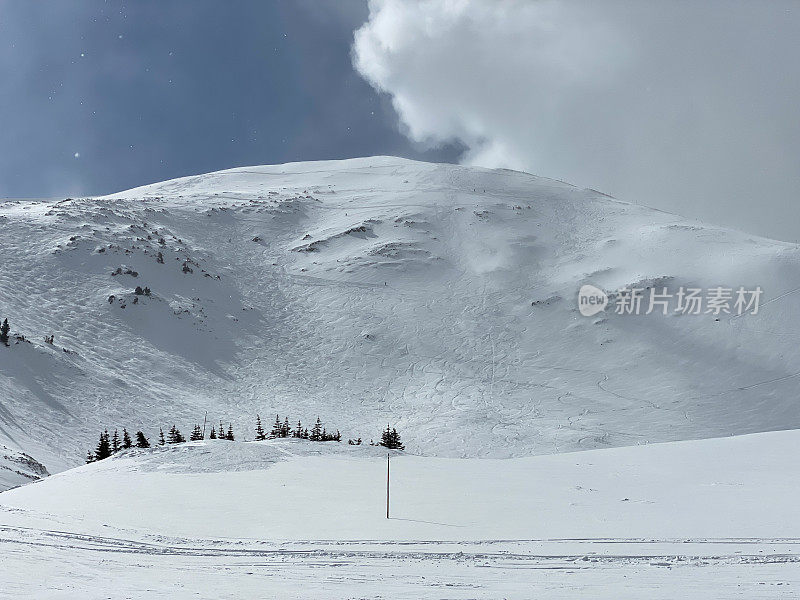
pixel 115 447
pixel 213 434
pixel 229 435
pixel 103 447
pixel 174 436
pixel 298 431
pixel 221 431
pixel 89 457
pixel 260 435
pixel 141 441
pixel 4 328
pixel 276 427
pixel 391 439
pixel 126 439
pixel 161 441
pixel 316 431
pixel 305 433
pixel 285 429
pixel 197 434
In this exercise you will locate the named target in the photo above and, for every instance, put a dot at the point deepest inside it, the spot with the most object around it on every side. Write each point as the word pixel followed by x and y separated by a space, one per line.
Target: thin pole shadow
pixel 427 522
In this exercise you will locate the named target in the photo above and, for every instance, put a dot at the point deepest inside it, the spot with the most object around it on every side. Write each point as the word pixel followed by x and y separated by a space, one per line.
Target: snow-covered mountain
pixel 439 298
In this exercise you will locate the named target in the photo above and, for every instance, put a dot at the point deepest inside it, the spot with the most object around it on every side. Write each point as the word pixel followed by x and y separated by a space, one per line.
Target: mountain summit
pixel 439 297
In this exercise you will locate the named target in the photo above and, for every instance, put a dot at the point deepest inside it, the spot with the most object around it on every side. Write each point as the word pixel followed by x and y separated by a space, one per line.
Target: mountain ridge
pixel 441 298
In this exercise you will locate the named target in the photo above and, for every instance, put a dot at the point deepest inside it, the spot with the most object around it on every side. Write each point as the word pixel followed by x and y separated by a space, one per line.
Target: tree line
pixel 282 429
pixel 110 444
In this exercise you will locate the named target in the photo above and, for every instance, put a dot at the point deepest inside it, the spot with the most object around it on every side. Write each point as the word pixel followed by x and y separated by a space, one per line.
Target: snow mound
pixel 222 456
pixel 306 491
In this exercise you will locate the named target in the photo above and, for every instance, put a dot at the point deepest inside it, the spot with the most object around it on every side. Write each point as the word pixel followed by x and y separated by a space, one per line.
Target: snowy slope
pixel 737 487
pixel 700 519
pixel 17 468
pixel 438 297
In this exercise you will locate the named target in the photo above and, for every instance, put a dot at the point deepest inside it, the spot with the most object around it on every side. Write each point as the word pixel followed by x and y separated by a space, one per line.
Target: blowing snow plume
pixel 676 105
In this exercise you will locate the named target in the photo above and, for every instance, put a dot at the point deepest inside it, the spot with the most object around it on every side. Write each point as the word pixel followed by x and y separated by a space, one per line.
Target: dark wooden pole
pixel 387 485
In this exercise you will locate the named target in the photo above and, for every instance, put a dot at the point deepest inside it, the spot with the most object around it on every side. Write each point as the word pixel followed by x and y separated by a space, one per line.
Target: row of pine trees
pixel 109 445
pixel 282 429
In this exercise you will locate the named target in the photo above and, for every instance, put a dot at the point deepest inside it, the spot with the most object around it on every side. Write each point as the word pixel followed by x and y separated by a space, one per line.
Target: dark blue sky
pixel 149 90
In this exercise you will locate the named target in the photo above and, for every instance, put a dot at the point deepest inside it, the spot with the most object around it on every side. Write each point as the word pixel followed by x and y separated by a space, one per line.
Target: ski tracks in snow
pixel 558 568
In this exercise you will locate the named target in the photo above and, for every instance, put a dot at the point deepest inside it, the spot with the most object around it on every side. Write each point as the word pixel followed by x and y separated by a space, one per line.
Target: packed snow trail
pixel 49 565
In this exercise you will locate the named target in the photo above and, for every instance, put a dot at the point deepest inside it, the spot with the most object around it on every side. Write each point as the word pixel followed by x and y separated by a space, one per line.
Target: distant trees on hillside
pixel 5 336
pixel 260 435
pixel 103 449
pixel 126 439
pixel 391 439
pixel 282 429
pixel 222 434
pixel 110 444
pixel 107 445
pixel 316 432
pixel 4 329
pixel 174 436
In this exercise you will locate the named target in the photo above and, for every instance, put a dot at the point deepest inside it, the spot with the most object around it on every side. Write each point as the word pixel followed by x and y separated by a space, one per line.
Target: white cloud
pixel 687 106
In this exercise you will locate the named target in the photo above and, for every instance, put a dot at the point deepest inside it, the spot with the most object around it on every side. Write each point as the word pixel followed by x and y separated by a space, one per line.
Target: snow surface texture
pixel 294 519
pixel 437 297
pixel 17 468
